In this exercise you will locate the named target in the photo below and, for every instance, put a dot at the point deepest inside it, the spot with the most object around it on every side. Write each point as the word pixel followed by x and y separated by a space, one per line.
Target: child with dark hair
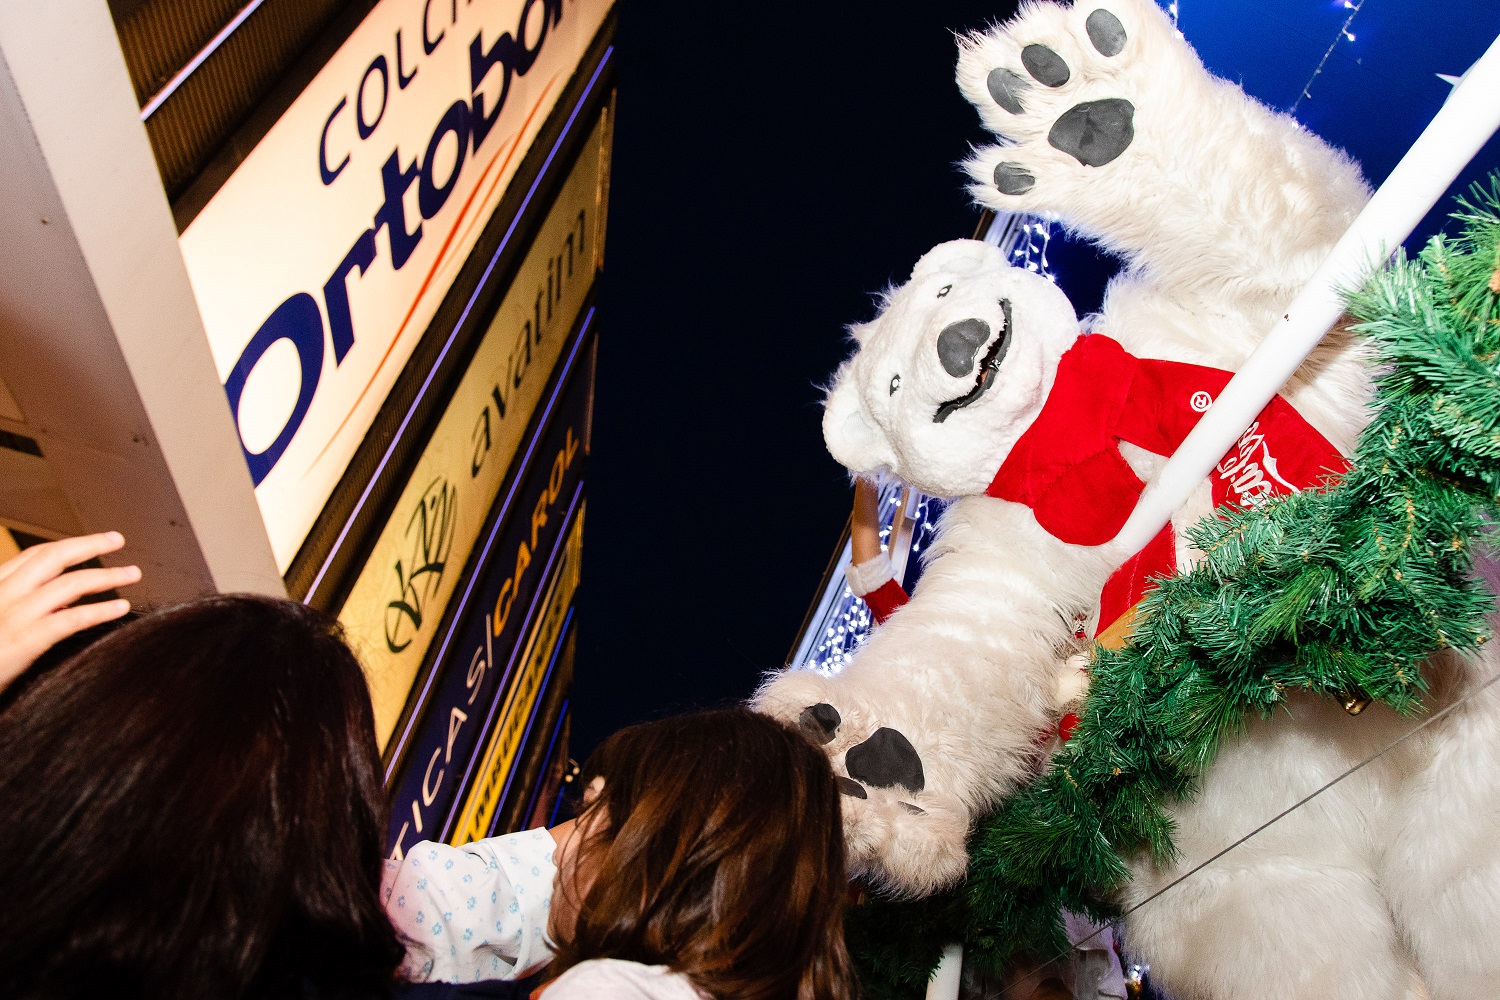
pixel 193 808
pixel 708 861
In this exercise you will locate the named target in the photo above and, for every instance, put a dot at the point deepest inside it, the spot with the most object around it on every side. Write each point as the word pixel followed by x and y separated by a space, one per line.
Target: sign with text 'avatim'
pixel 320 262
pixel 393 609
pixel 435 751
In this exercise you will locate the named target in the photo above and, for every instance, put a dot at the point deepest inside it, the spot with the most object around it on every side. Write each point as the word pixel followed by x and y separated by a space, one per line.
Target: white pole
pixel 1464 124
pixel 947 976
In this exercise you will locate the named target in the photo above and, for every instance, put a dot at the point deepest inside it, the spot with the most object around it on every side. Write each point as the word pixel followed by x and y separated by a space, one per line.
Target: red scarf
pixel 1068 469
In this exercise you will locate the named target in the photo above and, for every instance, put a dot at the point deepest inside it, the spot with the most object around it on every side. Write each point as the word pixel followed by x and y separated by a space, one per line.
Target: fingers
pixel 40 563
pixel 69 587
pixel 70 621
pixel 19 649
pixel 36 593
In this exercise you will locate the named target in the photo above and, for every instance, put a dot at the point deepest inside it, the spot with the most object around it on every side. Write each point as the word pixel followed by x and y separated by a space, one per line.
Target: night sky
pixel 774 166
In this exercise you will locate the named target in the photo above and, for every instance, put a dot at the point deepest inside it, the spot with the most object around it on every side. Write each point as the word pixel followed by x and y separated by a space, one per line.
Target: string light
pixel 1030 249
pixel 1352 6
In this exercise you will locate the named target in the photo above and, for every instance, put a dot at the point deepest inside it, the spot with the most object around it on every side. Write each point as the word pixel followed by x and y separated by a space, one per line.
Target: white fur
pixel 1384 886
pixel 979 650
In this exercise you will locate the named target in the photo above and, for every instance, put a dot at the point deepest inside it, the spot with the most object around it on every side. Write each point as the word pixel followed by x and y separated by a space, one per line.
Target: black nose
pixel 959 343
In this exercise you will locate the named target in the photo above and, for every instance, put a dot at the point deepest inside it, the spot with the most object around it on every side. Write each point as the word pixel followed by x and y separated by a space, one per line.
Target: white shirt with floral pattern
pixel 473 912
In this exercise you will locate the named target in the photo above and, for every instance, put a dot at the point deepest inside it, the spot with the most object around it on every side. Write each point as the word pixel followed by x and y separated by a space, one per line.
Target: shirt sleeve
pixel 869 575
pixel 874 582
pixel 473 912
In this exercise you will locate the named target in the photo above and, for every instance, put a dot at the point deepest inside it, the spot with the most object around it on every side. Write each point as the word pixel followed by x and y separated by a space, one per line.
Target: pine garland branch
pixel 1341 591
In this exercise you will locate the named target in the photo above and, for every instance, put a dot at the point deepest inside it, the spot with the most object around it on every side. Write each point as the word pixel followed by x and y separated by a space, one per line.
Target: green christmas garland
pixel 1341 592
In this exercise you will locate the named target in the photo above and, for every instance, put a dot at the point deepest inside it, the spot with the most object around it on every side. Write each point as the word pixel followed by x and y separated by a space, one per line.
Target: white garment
pixel 480 912
pixel 610 977
pixel 473 912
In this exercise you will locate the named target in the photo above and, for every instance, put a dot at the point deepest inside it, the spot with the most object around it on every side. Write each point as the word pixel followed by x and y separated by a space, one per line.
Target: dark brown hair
pixel 715 848
pixel 192 807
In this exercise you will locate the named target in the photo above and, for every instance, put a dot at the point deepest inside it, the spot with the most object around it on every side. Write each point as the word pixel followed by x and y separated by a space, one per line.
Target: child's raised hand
pixel 36 597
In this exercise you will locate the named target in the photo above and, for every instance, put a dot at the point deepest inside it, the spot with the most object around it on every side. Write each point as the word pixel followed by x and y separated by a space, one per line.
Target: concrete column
pixel 104 366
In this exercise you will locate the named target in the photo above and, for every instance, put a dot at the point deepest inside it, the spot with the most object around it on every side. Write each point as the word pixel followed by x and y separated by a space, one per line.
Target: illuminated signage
pixel 392 612
pixel 478 812
pixel 480 654
pixel 321 260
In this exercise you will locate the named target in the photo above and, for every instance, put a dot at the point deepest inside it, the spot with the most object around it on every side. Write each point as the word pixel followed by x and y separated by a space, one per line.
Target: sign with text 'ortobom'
pixel 320 262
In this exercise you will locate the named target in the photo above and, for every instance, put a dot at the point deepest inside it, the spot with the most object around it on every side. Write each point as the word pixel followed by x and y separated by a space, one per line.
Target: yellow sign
pixel 393 609
pixel 505 742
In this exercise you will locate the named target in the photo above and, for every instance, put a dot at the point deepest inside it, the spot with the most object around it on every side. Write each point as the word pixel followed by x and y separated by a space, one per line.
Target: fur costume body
pixel 1386 884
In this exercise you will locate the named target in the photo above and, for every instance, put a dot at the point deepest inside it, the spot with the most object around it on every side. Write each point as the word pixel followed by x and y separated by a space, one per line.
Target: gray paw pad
pixel 853 789
pixel 1095 132
pixel 820 722
pixel 885 760
pixel 1045 66
pixel 1106 32
pixel 1006 87
pixel 1012 178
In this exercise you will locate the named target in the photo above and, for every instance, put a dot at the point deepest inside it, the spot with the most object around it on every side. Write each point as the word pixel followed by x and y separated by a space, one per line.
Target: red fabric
pixel 1127 585
pixel 884 600
pixel 1068 469
pixel 1066 725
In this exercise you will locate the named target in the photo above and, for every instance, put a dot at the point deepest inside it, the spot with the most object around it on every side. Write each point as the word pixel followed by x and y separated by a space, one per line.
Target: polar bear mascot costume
pixel 1386 885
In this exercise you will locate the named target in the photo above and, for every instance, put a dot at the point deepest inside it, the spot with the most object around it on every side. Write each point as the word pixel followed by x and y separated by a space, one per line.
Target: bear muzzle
pixel 956 347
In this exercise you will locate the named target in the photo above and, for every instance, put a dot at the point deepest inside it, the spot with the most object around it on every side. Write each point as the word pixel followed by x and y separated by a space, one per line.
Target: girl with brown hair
pixel 707 863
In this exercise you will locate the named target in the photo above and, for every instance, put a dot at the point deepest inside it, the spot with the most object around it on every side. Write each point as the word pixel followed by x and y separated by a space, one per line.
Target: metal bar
pixel 1463 125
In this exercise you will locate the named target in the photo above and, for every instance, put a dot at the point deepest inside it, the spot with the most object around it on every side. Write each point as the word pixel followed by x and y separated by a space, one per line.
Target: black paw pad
pixel 1106 32
pixel 886 759
pixel 853 789
pixel 1045 66
pixel 1095 132
pixel 1012 178
pixel 958 344
pixel 820 721
pixel 1006 87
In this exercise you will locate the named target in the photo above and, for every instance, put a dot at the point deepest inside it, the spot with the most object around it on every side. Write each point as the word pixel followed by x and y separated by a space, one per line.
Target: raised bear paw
pixel 1070 89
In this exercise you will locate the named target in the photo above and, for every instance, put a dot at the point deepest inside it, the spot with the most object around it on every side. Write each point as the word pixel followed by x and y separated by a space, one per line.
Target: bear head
pixel 951 372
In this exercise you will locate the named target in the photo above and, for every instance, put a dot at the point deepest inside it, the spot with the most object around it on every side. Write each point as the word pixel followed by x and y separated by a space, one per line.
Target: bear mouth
pixel 989 367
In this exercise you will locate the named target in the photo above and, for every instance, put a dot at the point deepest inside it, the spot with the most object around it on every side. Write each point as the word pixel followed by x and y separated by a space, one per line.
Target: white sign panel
pixel 320 262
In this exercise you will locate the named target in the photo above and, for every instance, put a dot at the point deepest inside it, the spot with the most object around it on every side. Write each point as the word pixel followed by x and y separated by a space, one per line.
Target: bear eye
pixel 895 384
pixel 944 290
